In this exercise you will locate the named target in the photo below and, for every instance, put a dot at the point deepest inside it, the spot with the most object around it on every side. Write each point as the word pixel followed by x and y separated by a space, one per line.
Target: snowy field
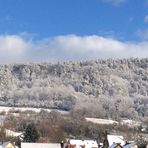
pixel 101 121
pixel 93 120
pixel 128 122
pixel 22 109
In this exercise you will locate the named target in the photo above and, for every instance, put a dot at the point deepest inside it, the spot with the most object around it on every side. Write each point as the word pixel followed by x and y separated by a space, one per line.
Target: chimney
pixel 62 144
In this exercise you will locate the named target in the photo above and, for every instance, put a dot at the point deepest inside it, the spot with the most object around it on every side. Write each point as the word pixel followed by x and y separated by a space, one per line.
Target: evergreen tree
pixel 31 134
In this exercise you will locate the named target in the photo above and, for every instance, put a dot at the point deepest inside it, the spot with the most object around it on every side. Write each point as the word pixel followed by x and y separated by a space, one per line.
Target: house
pixel 130 145
pixel 118 142
pixel 83 143
pixel 40 145
pixel 116 145
pixel 6 145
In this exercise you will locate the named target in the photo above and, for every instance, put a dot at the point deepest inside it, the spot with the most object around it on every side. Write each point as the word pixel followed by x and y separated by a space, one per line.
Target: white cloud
pixel 14 48
pixel 115 2
pixel 97 47
pixel 146 19
pixel 86 43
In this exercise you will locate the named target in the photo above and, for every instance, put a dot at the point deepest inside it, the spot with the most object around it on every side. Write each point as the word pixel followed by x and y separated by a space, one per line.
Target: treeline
pixel 99 88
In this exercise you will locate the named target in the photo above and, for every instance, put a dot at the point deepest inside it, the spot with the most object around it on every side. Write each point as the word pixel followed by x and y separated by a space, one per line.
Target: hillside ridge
pixel 98 88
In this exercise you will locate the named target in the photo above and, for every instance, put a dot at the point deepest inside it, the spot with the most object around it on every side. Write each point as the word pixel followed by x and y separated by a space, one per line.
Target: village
pixel 30 138
pixel 80 132
pixel 73 73
pixel 111 141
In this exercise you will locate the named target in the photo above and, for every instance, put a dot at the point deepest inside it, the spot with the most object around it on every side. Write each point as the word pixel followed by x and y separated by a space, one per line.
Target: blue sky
pixel 59 30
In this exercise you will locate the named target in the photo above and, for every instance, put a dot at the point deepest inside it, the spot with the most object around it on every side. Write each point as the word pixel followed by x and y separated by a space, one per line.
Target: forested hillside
pixel 99 88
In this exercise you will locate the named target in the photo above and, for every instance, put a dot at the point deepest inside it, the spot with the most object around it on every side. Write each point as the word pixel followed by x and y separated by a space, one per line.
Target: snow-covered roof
pixel 4 144
pixel 113 145
pixel 87 143
pixel 129 145
pixel 76 142
pixel 115 139
pixel 40 145
pixel 90 143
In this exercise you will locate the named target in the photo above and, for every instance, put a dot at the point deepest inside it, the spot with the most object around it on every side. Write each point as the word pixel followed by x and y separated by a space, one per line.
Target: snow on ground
pixel 12 133
pixel 22 109
pixel 101 121
pixel 130 123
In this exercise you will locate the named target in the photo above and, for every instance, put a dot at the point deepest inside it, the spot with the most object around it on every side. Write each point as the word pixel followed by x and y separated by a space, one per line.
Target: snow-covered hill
pixel 103 88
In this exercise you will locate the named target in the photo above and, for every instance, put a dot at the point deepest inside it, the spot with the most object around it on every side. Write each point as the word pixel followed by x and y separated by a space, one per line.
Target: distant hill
pixel 99 88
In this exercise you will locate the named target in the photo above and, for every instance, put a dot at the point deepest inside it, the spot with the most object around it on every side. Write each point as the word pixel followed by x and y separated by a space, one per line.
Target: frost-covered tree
pixel 66 85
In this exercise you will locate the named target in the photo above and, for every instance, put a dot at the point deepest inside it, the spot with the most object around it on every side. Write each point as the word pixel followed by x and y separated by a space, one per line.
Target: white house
pixel 87 143
pixel 40 145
